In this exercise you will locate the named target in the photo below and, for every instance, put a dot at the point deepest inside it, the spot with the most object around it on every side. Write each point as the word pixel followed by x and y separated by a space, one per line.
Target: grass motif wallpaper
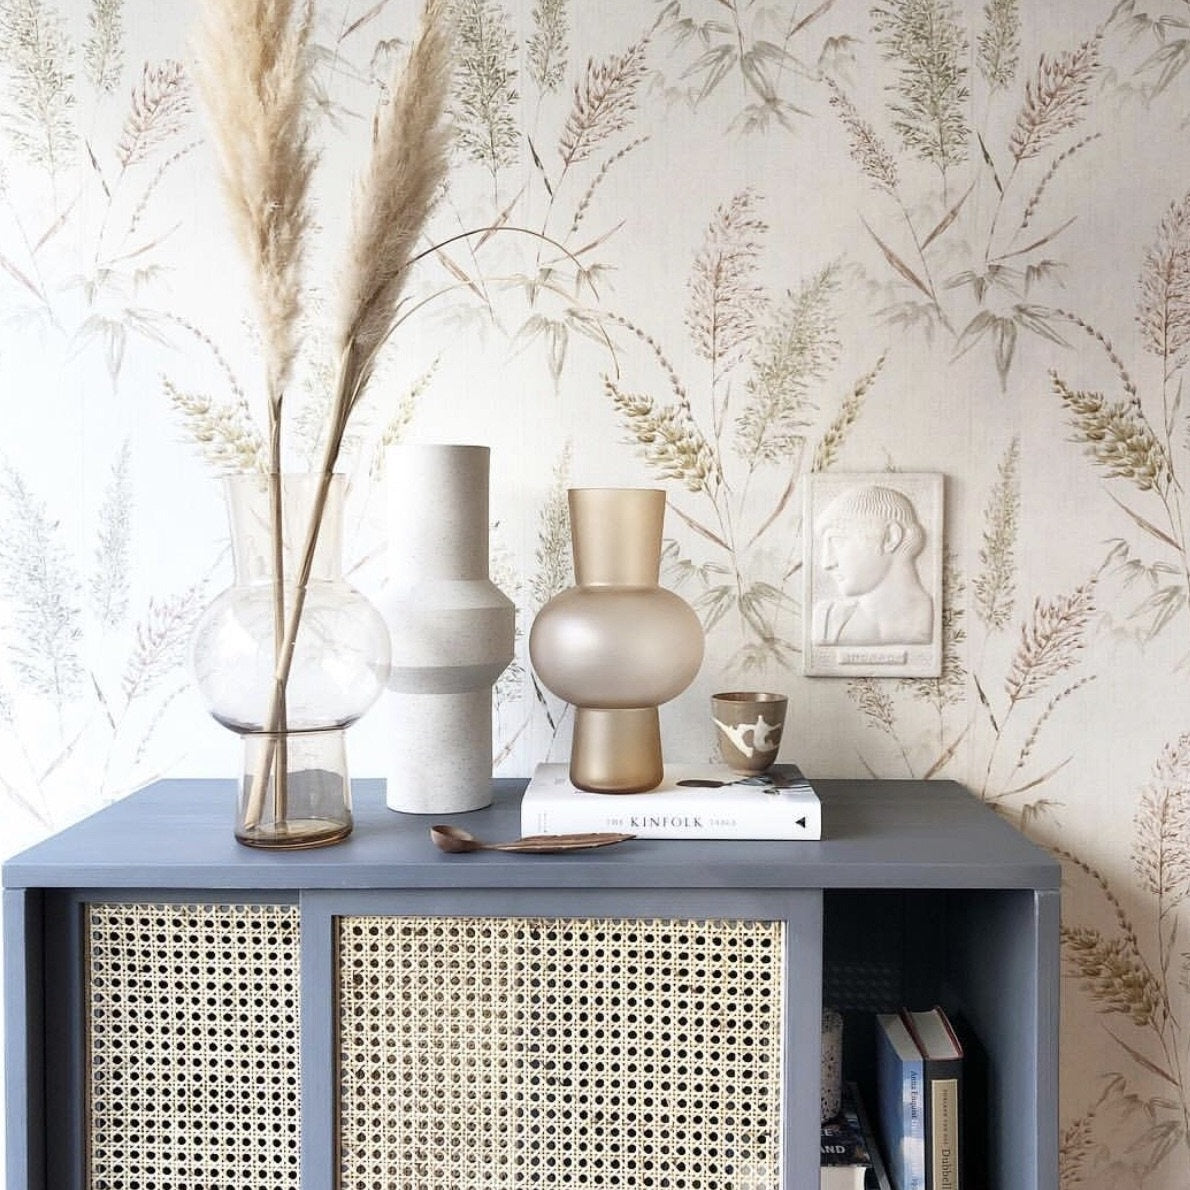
pixel 712 245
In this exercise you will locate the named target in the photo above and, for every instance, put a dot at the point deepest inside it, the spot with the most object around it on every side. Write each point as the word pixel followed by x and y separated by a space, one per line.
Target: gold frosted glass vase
pixel 294 789
pixel 616 645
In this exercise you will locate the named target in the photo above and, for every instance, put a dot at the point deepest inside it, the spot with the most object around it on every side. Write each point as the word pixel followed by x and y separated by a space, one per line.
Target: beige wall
pixel 918 235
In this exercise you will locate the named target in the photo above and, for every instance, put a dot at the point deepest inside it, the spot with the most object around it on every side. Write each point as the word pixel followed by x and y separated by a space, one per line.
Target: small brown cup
pixel 748 724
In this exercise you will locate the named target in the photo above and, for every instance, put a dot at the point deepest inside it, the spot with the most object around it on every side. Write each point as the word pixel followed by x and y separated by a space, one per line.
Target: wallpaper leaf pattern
pixel 1138 437
pixel 975 268
pixel 604 104
pixel 109 583
pixel 927 45
pixel 999 42
pixel 724 299
pixel 1125 976
pixel 485 100
pixel 768 239
pixel 159 105
pixel 90 664
pixel 560 281
pixel 756 407
pixel 1163 310
pixel 548 44
pixel 794 352
pixel 103 48
pixel 1161 32
pixel 40 73
pixel 1055 99
pixel 995 585
pixel 45 594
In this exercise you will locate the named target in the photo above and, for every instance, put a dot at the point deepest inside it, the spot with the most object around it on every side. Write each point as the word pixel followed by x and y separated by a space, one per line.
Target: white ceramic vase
pixel 452 629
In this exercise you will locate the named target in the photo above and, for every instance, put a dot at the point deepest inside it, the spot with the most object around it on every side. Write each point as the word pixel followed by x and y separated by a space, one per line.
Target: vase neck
pixel 616 534
pixel 249 505
pixel 438 510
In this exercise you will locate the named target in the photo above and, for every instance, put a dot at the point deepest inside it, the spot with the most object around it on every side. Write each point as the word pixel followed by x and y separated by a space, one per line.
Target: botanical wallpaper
pixel 712 245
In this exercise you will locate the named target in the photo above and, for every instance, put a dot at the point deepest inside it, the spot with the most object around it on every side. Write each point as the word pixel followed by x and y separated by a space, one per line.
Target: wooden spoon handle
pixel 543 844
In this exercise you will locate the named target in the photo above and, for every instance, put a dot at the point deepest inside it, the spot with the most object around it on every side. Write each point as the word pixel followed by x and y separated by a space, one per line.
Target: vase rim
pixel 393 447
pixel 616 535
pixel 262 477
pixel 614 488
pixel 248 496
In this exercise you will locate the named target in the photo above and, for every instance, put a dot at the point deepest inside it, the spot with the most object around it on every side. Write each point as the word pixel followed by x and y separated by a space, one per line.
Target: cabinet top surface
pixel 177 834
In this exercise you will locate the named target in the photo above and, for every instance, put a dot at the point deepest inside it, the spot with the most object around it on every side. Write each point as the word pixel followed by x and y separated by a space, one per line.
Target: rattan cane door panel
pixel 192 1047
pixel 575 1052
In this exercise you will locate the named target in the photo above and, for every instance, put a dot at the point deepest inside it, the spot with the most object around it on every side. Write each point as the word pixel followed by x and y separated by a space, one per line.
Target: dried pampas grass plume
pixel 254 72
pixel 410 151
pixel 254 77
pixel 407 168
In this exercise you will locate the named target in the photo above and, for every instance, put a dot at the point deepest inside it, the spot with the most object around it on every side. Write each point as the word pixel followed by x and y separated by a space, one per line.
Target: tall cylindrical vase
pixel 294 789
pixel 451 626
pixel 616 645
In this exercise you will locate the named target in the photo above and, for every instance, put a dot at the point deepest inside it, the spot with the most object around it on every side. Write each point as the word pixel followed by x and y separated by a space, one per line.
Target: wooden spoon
pixel 454 839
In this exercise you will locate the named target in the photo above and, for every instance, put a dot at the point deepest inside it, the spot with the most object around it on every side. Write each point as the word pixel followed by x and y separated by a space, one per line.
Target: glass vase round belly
pixel 294 789
pixel 616 645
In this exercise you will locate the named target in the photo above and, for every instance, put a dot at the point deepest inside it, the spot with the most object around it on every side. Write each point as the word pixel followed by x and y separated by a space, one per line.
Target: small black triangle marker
pixel 800 821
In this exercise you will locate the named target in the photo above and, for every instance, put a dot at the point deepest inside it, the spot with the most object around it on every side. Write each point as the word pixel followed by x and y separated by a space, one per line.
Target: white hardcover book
pixel 704 801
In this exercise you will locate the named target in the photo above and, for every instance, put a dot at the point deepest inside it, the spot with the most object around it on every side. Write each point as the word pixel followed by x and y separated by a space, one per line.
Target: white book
pixel 714 803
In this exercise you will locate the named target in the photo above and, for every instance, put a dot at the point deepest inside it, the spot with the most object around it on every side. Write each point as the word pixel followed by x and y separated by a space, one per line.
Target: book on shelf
pixel 693 801
pixel 919 1070
pixel 849 1155
pixel 900 1106
pixel 942 1054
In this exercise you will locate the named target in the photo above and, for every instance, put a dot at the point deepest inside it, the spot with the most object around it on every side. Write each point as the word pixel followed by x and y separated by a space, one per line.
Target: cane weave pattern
pixel 192 1036
pixel 500 1053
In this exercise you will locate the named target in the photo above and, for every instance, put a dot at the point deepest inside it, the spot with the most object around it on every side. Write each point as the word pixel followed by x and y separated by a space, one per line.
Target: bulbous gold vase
pixel 616 645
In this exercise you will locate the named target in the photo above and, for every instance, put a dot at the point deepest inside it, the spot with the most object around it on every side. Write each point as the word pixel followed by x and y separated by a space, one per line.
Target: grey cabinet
pixel 183 1013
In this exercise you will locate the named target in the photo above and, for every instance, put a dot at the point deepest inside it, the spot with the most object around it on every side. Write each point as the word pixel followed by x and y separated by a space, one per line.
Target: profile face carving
pixel 864 533
pixel 869 541
pixel 872 572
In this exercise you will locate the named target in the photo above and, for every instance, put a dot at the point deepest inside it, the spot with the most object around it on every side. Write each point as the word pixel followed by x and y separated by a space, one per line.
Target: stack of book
pixel 919 1069
pixel 849 1158
pixel 693 802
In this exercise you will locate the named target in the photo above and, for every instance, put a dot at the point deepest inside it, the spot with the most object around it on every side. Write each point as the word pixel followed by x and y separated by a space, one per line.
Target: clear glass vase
pixel 294 790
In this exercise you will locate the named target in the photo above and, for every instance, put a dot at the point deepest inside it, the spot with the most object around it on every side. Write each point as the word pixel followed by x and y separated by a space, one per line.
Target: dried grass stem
pixel 406 171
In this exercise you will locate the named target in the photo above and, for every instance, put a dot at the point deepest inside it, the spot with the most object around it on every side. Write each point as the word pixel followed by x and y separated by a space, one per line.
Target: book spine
pixel 942 1072
pixel 944 1131
pixel 915 1125
pixel 900 1102
pixel 659 824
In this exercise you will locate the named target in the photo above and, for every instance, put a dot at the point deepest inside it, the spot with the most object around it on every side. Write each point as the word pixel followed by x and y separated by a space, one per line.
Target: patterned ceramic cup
pixel 748 724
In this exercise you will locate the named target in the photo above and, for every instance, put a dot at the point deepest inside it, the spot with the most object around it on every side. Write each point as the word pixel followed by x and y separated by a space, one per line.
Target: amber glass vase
pixel 616 645
pixel 294 790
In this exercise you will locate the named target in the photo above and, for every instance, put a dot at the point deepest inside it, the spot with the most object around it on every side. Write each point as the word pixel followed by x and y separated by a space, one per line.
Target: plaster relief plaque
pixel 873 575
